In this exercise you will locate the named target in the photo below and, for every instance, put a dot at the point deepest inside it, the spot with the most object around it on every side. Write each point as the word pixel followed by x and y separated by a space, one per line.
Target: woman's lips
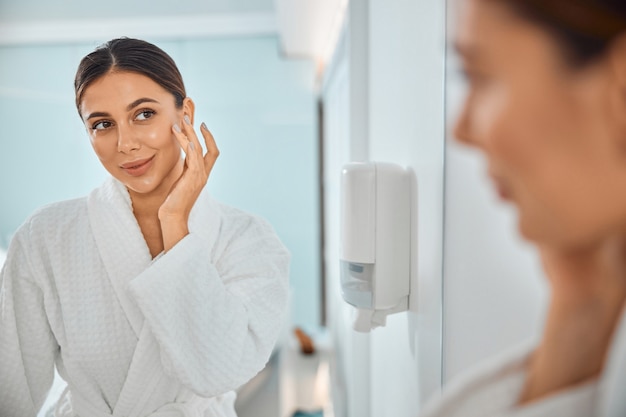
pixel 138 167
pixel 502 190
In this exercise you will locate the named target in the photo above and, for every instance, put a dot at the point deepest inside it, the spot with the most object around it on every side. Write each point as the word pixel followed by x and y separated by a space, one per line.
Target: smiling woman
pixel 137 142
pixel 150 297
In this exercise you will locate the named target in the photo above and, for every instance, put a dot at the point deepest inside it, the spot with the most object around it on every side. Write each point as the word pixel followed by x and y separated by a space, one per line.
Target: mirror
pixel 260 107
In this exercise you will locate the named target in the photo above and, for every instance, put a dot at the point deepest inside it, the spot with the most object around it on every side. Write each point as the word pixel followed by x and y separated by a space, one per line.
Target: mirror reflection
pixel 261 111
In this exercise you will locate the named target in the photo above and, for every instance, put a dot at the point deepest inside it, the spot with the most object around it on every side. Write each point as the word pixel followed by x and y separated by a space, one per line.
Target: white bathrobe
pixel 135 336
pixel 493 389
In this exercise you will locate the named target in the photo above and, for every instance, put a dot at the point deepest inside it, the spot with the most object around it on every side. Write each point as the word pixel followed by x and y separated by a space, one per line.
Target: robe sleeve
pixel 217 322
pixel 27 345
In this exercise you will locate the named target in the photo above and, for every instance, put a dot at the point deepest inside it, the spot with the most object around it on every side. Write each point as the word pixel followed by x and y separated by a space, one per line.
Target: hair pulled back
pixel 133 55
pixel 585 28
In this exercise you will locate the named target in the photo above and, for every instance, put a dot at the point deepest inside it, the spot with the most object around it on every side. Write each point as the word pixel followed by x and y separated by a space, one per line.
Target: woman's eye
pixel 101 125
pixel 144 114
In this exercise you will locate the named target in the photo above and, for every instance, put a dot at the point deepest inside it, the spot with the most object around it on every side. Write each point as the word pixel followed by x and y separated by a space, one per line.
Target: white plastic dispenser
pixel 375 241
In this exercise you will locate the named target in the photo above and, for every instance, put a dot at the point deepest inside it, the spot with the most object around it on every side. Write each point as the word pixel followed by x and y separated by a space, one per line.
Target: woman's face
pixel 129 119
pixel 554 136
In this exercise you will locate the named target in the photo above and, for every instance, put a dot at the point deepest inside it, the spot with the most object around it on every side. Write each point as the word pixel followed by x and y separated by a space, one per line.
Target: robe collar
pixel 122 247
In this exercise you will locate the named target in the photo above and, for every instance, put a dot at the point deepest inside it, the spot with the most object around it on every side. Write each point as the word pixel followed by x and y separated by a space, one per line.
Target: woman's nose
pixel 463 131
pixel 126 140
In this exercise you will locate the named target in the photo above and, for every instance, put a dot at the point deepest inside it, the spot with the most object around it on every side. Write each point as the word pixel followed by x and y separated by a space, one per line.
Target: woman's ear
pixel 189 108
pixel 617 91
pixel 617 57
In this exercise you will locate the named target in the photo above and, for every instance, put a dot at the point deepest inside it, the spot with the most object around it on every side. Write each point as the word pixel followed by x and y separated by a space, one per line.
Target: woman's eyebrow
pixel 97 114
pixel 128 108
pixel 140 101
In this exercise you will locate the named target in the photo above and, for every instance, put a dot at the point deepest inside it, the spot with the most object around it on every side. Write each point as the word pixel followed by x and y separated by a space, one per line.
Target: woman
pixel 547 107
pixel 150 298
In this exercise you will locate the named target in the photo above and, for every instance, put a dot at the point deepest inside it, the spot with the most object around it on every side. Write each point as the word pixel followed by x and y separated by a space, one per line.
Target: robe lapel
pixel 120 242
pixel 205 219
pixel 614 381
pixel 125 255
pixel 146 387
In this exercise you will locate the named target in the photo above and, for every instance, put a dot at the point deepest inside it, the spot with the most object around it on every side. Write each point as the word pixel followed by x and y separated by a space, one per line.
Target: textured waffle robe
pixel 493 388
pixel 134 336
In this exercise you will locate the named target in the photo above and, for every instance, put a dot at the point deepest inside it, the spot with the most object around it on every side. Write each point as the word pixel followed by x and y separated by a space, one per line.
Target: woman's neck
pixel 147 204
pixel 146 210
pixel 588 293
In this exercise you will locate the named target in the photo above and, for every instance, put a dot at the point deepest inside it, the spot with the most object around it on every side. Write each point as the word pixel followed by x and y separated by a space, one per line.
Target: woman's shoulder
pixel 47 229
pixel 236 219
pixel 239 228
pixel 493 389
pixel 54 216
pixel 485 389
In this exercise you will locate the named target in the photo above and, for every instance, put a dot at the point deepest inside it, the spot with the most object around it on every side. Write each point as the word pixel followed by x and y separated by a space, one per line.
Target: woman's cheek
pixel 152 136
pixel 102 151
pixel 158 135
pixel 96 145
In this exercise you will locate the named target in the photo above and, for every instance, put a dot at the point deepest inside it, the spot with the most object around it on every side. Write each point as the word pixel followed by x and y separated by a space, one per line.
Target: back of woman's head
pixel 585 28
pixel 133 55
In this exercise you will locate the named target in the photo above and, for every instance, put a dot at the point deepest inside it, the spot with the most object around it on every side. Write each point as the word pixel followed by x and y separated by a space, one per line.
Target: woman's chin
pixel 539 233
pixel 558 236
pixel 141 185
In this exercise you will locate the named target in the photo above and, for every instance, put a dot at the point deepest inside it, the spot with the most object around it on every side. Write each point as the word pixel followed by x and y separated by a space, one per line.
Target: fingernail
pixel 203 126
pixel 192 146
pixel 187 120
pixel 177 128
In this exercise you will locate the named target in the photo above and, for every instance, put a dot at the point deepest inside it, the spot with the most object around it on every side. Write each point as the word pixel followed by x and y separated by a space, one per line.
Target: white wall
pixel 350 363
pixel 392 103
pixel 406 127
pixel 392 95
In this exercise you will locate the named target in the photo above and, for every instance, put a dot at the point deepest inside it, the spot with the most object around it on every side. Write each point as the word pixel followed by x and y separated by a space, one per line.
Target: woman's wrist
pixel 173 229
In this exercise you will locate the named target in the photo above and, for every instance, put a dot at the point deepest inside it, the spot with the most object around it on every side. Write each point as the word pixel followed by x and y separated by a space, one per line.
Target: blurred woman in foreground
pixel 547 107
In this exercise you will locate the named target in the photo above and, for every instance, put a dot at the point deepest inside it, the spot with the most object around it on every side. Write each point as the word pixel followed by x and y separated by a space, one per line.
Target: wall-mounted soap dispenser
pixel 375 241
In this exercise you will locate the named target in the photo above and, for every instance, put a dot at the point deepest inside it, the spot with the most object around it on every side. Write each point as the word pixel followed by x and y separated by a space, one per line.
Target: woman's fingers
pixel 180 136
pixel 212 152
pixel 189 141
pixel 191 134
pixel 190 148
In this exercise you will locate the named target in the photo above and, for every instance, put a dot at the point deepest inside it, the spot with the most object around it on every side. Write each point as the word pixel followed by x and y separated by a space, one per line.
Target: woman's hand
pixel 174 212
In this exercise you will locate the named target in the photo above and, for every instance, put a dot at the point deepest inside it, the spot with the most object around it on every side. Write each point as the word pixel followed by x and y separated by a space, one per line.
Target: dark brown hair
pixel 585 28
pixel 133 55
